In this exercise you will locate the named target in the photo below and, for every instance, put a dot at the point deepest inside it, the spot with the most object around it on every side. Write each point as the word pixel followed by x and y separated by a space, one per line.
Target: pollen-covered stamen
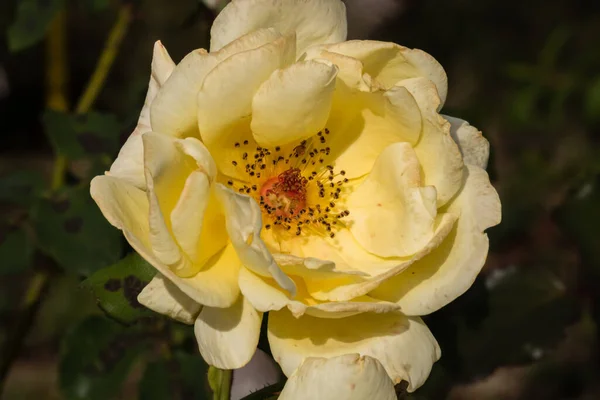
pixel 297 191
pixel 284 195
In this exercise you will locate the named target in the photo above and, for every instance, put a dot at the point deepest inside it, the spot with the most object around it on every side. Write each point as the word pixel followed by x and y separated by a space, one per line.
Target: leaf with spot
pixel 72 231
pixel 84 135
pixel 96 358
pixel 116 288
pixel 21 187
pixel 183 376
pixel 31 22
pixel 16 250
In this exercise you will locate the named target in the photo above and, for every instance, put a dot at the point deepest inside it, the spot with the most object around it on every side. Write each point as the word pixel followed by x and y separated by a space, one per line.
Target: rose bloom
pixel 289 171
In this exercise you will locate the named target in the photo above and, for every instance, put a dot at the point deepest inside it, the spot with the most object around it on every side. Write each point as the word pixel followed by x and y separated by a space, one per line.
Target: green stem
pixel 220 382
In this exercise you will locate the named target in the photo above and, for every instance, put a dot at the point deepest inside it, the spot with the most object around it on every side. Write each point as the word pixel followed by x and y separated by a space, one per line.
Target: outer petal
pixel 129 164
pixel 244 223
pixel 449 271
pixel 293 104
pixel 227 337
pixel 225 99
pixel 474 148
pixel 438 154
pixel 391 216
pixel 404 345
pixel 348 377
pixel 313 22
pixel 126 207
pixel 164 297
pixel 265 295
pixel 390 63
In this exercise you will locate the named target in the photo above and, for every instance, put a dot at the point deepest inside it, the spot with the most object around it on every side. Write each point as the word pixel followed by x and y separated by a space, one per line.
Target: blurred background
pixel 526 73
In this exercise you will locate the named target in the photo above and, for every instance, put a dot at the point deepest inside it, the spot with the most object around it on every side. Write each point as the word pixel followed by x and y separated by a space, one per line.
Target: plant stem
pixel 220 382
pixel 106 61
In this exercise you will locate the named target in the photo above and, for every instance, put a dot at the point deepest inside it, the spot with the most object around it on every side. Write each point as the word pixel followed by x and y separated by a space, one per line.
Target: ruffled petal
pixel 438 154
pixel 164 297
pixel 474 148
pixel 404 345
pixel 244 223
pixel 129 164
pixel 450 270
pixel 390 214
pixel 293 104
pixel 126 207
pixel 227 337
pixel 348 377
pixel 390 63
pixel 313 22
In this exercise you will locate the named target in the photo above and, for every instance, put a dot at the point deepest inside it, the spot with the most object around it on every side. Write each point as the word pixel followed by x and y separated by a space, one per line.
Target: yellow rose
pixel 314 176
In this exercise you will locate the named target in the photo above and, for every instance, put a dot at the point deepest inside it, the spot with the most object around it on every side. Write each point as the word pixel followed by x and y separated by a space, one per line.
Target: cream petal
pixel 293 104
pixel 351 70
pixel 363 124
pixel 390 214
pixel 265 295
pixel 474 148
pixel 225 99
pixel 129 164
pixel 450 270
pixel 404 345
pixel 126 207
pixel 227 337
pixel 164 297
pixel 438 154
pixel 244 223
pixel 390 63
pixel 313 22
pixel 348 287
pixel 348 377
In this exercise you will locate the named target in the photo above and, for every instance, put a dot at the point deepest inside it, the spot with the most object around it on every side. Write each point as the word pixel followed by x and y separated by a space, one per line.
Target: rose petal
pixel 129 164
pixel 244 223
pixel 313 22
pixel 227 337
pixel 348 377
pixel 390 214
pixel 404 345
pixel 293 104
pixel 474 148
pixel 164 297
pixel 450 270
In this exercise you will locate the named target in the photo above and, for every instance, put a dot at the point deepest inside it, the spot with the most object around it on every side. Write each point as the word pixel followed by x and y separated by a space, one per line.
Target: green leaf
pixel 592 100
pixel 116 288
pixel 71 229
pixel 16 250
pixel 97 356
pixel 95 5
pixel 78 136
pixel 21 187
pixel 31 22
pixel 182 375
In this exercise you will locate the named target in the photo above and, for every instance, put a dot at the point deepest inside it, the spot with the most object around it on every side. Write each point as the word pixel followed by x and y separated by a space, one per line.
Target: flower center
pixel 296 190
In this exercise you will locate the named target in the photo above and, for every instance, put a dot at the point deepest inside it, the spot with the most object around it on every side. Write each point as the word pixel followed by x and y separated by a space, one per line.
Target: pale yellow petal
pixel 225 99
pixel 313 22
pixel 244 224
pixel 126 207
pixel 227 337
pixel 449 271
pixel 129 164
pixel 363 124
pixel 390 63
pixel 474 148
pixel 164 297
pixel 390 214
pixel 404 345
pixel 293 104
pixel 438 154
pixel 347 377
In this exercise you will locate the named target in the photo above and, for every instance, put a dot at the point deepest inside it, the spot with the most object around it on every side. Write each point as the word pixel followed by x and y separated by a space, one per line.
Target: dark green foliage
pixel 21 187
pixel 16 250
pixel 116 288
pixel 31 22
pixel 71 229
